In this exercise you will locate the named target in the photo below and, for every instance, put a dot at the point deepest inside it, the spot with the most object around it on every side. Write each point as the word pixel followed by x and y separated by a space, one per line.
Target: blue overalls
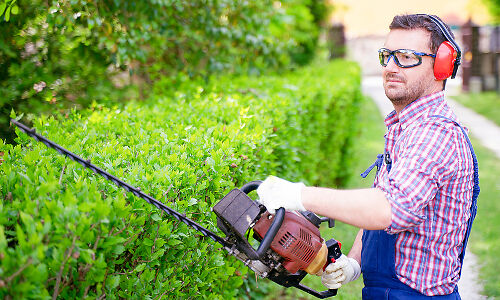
pixel 378 251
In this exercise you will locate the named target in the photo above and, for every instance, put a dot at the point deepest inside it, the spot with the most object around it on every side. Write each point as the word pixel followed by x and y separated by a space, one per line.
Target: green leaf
pixel 28 222
pixel 113 240
pixel 173 242
pixel 21 237
pixel 15 10
pixel 42 273
pixel 158 254
pixel 156 217
pixel 118 249
pixel 3 241
pixel 26 177
pixel 148 242
pixel 87 256
pixel 7 14
pixel 140 268
pixel 3 5
pixel 112 282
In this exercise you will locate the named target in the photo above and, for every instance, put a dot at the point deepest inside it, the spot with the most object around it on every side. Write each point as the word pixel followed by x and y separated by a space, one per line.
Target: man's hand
pixel 343 270
pixel 275 192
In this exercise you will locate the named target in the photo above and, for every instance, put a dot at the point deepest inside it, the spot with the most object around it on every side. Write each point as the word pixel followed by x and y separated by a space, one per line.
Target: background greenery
pixel 484 240
pixel 486 104
pixel 69 53
pixel 494 9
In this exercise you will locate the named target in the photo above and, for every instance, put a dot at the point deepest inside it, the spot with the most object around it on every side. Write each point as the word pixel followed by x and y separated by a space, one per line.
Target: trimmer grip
pixel 334 253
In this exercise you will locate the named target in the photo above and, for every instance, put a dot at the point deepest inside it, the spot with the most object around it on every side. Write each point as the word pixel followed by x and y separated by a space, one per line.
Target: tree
pixel 494 9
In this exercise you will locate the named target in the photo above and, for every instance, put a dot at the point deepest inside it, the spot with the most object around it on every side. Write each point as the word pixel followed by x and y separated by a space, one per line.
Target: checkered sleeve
pixel 425 159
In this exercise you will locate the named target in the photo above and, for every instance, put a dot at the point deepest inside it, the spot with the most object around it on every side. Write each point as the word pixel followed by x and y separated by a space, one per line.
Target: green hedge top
pixel 69 233
pixel 60 54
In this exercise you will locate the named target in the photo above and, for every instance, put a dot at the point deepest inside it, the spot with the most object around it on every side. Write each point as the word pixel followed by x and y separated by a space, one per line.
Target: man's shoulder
pixel 440 115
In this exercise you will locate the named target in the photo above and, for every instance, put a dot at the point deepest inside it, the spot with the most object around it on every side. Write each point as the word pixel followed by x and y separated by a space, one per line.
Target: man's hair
pixel 422 22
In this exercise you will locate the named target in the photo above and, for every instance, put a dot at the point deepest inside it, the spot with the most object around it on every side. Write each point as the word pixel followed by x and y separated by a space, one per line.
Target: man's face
pixel 404 85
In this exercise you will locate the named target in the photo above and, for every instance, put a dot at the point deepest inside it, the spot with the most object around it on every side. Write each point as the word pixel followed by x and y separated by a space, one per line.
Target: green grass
pixel 486 104
pixel 369 142
pixel 484 240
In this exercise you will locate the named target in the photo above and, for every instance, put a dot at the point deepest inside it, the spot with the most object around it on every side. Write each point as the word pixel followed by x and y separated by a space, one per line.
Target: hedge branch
pixel 119 231
pixel 61 269
pixel 21 269
pixel 157 233
pixel 62 172
pixel 163 294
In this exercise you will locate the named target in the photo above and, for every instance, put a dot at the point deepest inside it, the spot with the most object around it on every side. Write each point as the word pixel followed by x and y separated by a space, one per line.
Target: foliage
pixel 67 53
pixel 8 7
pixel 67 233
pixel 494 9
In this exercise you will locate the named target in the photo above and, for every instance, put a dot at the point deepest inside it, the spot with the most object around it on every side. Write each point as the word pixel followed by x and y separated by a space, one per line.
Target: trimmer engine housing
pixel 290 242
pixel 298 241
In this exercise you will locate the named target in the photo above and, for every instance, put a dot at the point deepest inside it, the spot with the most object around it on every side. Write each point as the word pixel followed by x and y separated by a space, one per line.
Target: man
pixel 415 220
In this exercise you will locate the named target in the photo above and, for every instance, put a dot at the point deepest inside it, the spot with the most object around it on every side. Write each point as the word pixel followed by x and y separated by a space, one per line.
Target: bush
pixel 60 54
pixel 66 232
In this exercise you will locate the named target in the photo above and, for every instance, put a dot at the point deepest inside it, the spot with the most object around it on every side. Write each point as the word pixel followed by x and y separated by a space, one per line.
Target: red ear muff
pixel 444 62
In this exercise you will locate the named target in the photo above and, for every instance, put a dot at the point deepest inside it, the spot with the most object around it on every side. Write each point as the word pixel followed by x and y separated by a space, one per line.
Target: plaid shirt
pixel 429 188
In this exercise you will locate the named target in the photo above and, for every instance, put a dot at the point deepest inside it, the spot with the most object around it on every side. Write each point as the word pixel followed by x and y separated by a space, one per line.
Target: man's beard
pixel 404 96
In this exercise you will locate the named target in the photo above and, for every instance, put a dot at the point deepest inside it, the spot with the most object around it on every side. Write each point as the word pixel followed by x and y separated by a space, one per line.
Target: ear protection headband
pixel 448 55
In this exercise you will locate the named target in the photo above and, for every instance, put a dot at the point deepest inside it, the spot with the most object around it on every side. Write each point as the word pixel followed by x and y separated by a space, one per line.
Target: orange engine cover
pixel 298 241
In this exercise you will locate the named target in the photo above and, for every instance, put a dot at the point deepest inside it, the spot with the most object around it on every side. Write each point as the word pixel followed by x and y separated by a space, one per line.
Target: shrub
pixel 60 54
pixel 69 233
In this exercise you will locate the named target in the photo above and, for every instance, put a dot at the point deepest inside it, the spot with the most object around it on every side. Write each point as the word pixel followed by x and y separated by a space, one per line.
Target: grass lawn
pixel 486 104
pixel 485 237
pixel 484 240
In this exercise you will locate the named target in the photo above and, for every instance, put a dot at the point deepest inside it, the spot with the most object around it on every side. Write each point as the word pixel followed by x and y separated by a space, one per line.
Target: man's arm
pixel 356 247
pixel 363 208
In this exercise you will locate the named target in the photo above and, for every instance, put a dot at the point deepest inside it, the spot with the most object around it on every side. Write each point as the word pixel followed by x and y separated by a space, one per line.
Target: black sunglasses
pixel 404 58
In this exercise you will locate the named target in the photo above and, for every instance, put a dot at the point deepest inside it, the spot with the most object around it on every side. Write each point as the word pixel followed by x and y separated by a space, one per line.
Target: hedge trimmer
pixel 290 244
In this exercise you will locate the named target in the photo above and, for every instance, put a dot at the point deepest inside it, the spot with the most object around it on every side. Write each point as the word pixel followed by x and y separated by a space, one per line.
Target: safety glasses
pixel 404 58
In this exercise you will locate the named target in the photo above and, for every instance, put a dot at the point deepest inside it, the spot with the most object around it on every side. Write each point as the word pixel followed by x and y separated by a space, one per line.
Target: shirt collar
pixel 414 110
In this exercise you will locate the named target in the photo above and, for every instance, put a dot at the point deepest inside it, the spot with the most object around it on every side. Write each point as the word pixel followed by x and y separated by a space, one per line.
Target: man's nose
pixel 391 65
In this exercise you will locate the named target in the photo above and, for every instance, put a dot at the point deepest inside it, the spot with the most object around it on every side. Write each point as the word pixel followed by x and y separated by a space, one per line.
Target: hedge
pixel 67 233
pixel 60 54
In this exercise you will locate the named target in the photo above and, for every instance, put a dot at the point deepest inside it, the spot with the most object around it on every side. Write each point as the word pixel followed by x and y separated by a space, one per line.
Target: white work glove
pixel 343 270
pixel 275 192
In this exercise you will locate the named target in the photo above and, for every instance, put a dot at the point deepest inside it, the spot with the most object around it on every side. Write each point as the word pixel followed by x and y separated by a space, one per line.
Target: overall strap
pixel 377 163
pixel 475 190
pixel 381 158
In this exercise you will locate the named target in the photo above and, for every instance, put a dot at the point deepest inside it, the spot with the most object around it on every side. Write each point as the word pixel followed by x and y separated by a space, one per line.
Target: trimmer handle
pixel 292 280
pixel 333 254
pixel 273 229
pixel 250 186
